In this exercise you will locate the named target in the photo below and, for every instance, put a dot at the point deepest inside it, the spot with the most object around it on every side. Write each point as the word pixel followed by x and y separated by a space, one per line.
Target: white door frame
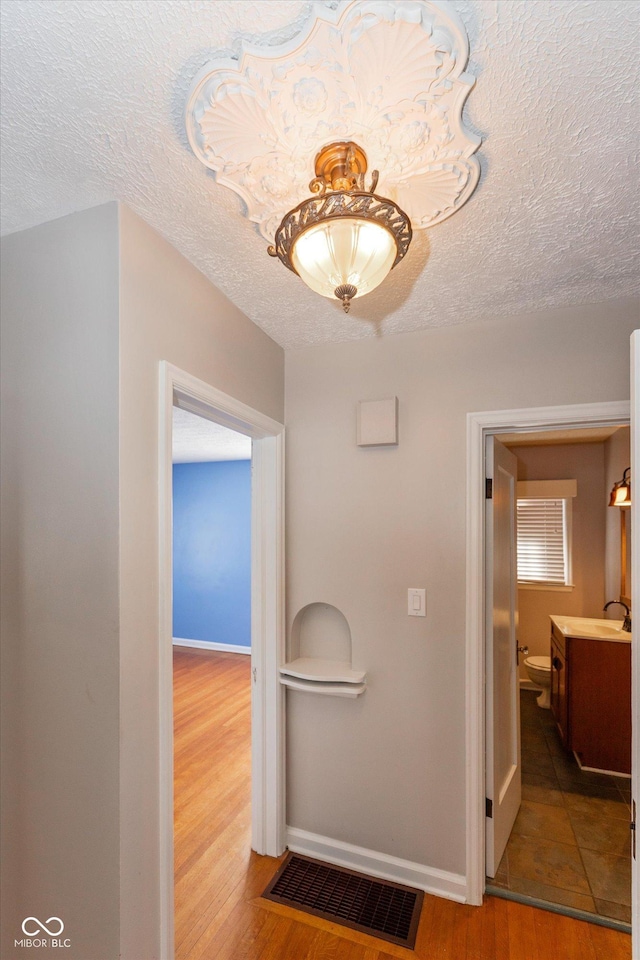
pixel 267 617
pixel 480 425
pixel 635 659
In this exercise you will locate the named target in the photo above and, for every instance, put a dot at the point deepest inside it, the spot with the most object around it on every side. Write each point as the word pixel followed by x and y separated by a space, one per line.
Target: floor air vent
pixel 377 907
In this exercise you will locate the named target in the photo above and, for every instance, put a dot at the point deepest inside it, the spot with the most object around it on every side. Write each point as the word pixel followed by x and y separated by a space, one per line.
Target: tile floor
pixel 570 844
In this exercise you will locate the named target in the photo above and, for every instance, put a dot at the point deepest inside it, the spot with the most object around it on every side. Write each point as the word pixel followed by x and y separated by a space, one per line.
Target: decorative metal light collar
pixel 341 193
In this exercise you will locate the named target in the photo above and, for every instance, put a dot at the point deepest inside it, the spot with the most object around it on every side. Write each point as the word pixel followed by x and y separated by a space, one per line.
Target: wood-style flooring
pixel 219 913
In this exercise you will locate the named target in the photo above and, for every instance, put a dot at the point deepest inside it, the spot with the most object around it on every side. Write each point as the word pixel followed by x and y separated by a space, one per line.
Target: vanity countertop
pixel 590 629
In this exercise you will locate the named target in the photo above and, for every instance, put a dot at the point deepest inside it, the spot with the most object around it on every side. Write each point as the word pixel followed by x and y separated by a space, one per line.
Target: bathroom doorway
pixel 569 845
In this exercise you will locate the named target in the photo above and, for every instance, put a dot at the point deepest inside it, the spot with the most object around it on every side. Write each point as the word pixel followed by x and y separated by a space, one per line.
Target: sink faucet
pixel 626 625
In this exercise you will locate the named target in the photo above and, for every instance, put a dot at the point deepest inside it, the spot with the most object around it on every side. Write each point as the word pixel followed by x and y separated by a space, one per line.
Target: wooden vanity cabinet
pixel 591 700
pixel 559 701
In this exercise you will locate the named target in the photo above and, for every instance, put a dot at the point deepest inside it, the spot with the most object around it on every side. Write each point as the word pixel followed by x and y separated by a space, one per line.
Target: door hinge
pixel 632 825
pixel 488 488
pixel 488 808
pixel 255 674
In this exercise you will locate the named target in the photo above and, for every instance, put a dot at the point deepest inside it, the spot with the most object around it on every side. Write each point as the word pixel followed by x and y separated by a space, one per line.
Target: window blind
pixel 542 548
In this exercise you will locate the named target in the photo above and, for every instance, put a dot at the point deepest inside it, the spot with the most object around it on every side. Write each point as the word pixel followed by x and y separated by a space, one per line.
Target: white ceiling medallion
pixel 389 75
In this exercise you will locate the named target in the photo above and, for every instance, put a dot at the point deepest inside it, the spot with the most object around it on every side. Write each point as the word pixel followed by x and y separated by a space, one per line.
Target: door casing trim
pixel 635 605
pixel 479 426
pixel 267 618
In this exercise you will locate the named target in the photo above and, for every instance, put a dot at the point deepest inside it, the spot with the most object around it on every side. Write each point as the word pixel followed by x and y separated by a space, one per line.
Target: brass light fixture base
pixel 339 166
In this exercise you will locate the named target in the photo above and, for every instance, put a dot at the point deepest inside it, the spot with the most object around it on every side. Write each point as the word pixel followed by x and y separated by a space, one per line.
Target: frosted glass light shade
pixel 621 495
pixel 344 251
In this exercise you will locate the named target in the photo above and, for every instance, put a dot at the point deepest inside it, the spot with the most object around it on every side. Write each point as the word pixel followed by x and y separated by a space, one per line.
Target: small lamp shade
pixel 621 493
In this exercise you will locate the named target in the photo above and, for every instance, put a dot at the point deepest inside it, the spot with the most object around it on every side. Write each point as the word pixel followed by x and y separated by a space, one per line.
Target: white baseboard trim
pixel 528 685
pixel 211 645
pixel 441 883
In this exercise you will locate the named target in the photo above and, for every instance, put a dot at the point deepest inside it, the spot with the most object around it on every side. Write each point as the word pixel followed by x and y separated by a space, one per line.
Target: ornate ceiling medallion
pixel 385 73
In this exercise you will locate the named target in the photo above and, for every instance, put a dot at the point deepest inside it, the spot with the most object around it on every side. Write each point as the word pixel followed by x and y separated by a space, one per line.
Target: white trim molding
pixel 635 606
pixel 479 426
pixel 178 388
pixel 441 883
pixel 212 645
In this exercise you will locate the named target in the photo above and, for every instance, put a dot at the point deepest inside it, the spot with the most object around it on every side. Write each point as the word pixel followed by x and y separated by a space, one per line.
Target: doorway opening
pixel 211 535
pixel 567 841
pixel 480 427
pixel 191 396
pixel 211 659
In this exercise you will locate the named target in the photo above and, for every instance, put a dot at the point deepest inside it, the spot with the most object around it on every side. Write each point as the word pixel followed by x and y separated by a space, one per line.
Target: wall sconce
pixel 621 493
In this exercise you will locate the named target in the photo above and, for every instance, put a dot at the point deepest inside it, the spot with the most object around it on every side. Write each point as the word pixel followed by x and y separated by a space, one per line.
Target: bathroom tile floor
pixel 570 844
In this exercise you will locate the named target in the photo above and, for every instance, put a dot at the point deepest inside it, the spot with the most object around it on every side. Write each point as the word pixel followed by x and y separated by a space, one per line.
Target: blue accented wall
pixel 212 551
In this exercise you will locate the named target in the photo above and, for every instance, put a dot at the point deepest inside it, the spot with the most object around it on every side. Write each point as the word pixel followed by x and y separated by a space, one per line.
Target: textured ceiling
pixel 93 98
pixel 196 440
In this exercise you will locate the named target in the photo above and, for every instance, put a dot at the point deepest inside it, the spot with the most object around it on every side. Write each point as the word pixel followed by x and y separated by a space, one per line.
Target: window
pixel 544 533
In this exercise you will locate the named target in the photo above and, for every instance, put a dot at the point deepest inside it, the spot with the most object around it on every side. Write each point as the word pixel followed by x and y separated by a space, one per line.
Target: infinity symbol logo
pixel 41 926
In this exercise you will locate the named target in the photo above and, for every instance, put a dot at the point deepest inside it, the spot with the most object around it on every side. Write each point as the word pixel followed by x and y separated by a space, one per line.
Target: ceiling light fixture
pixel 621 493
pixel 383 75
pixel 344 241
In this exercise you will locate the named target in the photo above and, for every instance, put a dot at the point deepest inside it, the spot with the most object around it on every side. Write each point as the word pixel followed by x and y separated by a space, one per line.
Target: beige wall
pixel 60 582
pixel 91 304
pixel 168 311
pixel 387 771
pixel 584 463
pixel 617 457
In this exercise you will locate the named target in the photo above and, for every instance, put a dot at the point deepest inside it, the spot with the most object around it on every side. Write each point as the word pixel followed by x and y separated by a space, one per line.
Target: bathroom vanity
pixel 591 691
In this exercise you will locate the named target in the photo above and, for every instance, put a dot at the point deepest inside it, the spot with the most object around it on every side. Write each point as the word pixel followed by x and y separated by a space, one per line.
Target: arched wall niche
pixel 320 631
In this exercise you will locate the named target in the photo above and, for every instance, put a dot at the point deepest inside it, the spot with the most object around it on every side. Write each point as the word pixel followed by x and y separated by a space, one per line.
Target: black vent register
pixel 382 909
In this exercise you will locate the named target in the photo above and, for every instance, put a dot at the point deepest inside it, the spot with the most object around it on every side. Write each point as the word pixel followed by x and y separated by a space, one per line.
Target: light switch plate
pixel 417 602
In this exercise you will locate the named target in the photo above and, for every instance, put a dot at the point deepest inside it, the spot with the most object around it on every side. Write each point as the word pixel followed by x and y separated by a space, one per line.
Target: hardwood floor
pixel 219 913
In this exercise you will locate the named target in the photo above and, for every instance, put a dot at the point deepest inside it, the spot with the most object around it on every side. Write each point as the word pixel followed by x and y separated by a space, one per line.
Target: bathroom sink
pixel 592 629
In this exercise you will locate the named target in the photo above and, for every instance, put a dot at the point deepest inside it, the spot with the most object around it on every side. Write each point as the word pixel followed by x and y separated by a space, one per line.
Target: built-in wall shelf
pixel 333 678
pixel 328 689
pixel 314 668
pixel 320 654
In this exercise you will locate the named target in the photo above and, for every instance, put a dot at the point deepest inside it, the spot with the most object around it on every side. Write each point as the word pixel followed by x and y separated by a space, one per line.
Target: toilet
pixel 539 670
